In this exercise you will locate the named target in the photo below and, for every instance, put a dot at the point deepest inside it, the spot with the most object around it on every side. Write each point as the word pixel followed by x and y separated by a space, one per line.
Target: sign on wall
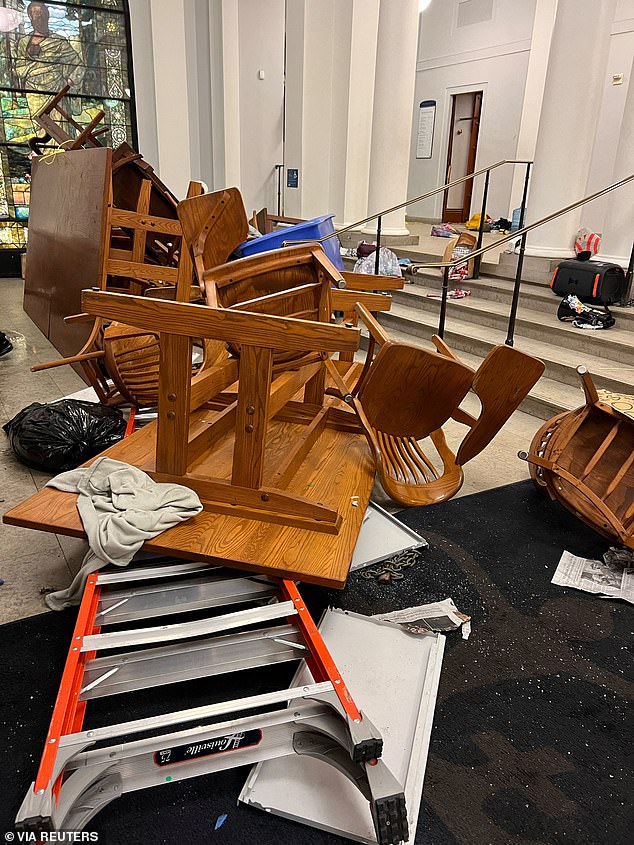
pixel 426 120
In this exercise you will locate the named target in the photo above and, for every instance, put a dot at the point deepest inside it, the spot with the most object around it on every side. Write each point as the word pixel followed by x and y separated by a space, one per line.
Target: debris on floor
pixel 622 557
pixel 441 616
pixel 391 570
pixel 611 578
pixel 456 293
pixel 220 821
pixel 444 231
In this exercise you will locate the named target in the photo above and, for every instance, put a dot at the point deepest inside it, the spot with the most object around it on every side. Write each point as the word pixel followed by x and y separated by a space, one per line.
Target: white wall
pixel 202 112
pixel 611 115
pixel 491 56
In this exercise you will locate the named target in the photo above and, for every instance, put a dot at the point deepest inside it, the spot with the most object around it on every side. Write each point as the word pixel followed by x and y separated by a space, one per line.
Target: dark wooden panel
pixel 66 234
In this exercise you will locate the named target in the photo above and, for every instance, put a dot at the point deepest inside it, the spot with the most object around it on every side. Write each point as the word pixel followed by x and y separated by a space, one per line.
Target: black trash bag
pixel 63 434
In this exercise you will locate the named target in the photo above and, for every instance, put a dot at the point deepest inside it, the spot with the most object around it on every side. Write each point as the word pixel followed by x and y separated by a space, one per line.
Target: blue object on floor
pixel 309 230
pixel 220 821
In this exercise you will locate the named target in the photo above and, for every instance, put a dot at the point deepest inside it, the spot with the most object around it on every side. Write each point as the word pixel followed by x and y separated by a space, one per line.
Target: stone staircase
pixel 477 323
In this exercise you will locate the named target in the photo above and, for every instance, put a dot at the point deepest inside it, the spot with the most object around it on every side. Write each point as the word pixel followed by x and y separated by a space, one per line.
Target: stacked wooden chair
pixel 119 362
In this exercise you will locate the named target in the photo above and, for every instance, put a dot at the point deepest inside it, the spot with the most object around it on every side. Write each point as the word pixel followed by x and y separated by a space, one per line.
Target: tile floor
pixel 31 561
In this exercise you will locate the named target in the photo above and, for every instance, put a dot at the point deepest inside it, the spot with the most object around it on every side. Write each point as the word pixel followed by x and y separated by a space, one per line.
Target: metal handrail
pixel 523 231
pixel 424 196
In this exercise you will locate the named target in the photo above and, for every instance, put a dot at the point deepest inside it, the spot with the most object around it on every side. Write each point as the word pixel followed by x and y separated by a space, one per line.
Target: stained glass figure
pixel 44 47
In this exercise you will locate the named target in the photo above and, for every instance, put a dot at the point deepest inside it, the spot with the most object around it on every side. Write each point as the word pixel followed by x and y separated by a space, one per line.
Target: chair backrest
pixel 213 226
pixel 84 135
pixel 411 392
pixel 291 282
pixel 502 382
pixel 133 252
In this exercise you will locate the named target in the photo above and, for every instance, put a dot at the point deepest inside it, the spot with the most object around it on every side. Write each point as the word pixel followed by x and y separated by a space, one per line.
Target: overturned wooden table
pixel 284 483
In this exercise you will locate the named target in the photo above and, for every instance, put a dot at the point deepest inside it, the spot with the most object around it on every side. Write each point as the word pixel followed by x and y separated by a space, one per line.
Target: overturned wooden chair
pixel 215 224
pixel 52 117
pixel 119 362
pixel 406 394
pixel 585 460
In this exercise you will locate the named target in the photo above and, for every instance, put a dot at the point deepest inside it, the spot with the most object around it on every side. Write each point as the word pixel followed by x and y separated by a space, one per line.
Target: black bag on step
pixel 592 281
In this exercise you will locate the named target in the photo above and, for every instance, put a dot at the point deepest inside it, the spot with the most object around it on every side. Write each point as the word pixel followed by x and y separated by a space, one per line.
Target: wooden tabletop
pixel 338 472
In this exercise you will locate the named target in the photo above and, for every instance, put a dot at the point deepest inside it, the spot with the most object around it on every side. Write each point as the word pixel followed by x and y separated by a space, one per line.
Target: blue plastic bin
pixel 515 222
pixel 309 230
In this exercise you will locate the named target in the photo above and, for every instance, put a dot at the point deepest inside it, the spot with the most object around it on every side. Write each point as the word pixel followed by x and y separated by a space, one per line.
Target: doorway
pixel 461 154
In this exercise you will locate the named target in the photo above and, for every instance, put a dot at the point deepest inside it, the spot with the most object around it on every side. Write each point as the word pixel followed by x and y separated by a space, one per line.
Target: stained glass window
pixel 43 47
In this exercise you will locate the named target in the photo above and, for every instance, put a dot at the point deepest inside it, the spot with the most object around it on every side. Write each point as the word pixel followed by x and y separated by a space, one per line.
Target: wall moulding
pixel 511 47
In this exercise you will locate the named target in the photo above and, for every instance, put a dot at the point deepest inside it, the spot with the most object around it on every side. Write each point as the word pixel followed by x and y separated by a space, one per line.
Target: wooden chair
pixel 298 282
pixel 53 129
pixel 121 363
pixel 213 225
pixel 407 394
pixel 585 460
pixel 266 223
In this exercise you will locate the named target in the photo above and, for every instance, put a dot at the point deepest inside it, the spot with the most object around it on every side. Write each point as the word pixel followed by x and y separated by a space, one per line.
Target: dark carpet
pixel 532 737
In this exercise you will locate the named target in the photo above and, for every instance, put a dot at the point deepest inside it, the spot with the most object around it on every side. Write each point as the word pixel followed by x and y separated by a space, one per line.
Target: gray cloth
pixel 120 508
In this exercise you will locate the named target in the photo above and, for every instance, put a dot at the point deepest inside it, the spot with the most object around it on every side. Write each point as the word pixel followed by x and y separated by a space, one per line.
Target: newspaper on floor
pixel 442 616
pixel 610 579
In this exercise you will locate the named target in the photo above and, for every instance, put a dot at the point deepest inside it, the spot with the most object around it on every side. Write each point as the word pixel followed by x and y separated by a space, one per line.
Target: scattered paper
pixel 611 579
pixel 440 616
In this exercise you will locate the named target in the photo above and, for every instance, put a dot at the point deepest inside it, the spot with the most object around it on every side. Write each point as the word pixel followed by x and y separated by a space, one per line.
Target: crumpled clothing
pixel 120 508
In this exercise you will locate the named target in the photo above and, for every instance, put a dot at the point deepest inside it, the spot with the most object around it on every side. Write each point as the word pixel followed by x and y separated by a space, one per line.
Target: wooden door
pixel 461 154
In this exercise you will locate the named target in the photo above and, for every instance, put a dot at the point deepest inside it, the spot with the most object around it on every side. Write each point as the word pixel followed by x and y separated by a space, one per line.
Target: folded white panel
pixel 381 537
pixel 393 677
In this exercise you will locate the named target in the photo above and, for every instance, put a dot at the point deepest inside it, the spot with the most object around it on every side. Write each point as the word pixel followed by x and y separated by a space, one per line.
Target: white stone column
pixel 356 27
pixel 568 120
pixel 330 66
pixel 393 110
pixel 543 24
pixel 225 92
pixel 618 233
pixel 170 85
pixel 142 52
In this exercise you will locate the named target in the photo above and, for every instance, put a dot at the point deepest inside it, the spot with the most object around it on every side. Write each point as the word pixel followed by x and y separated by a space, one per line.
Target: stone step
pixel 535 269
pixel 417 257
pixel 561 362
pixel 490 288
pixel 614 344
